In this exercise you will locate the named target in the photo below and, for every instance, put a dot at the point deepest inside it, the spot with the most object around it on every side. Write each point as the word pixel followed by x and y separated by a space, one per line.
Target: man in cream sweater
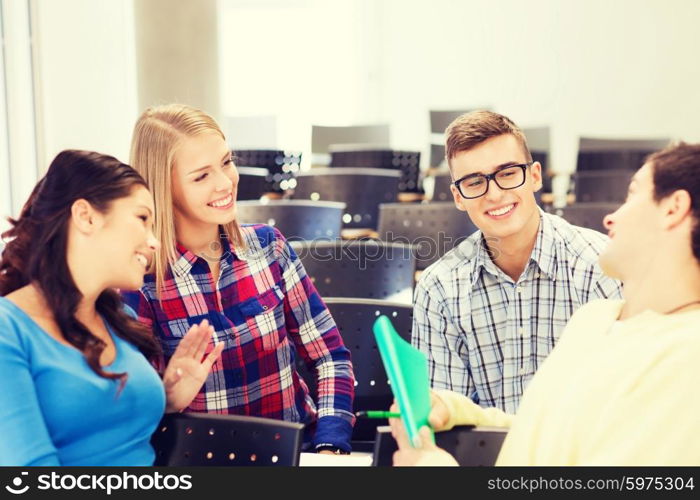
pixel 620 387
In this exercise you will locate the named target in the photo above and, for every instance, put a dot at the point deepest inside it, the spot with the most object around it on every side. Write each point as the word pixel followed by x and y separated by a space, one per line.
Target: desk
pixel 355 459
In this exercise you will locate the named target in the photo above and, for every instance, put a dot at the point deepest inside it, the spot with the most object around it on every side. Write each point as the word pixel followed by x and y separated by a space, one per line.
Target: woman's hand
pixel 187 370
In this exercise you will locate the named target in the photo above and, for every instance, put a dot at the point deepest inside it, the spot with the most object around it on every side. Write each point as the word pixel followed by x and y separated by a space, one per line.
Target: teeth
pixel 502 211
pixel 142 259
pixel 222 203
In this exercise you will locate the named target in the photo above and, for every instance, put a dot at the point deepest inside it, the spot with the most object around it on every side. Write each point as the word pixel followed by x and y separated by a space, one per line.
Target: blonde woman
pixel 245 279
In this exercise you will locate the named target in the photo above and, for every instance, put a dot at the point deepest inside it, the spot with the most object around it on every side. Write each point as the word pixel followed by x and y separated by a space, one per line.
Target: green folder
pixel 407 369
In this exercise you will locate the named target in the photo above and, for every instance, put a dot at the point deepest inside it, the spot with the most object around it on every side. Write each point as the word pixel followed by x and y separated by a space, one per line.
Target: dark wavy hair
pixel 37 245
pixel 678 167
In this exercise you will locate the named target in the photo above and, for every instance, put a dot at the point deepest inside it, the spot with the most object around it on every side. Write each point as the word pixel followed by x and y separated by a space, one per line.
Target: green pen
pixel 377 414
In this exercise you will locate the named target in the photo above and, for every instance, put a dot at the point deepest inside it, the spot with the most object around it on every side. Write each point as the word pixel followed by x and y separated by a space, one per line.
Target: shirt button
pixel 522 372
pixel 519 289
pixel 521 331
pixel 537 275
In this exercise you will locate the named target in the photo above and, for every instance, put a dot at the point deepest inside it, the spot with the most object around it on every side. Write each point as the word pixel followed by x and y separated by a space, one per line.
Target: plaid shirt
pixel 484 334
pixel 266 310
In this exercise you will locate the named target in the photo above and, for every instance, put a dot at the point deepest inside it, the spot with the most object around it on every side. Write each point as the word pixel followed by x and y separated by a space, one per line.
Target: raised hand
pixel 188 368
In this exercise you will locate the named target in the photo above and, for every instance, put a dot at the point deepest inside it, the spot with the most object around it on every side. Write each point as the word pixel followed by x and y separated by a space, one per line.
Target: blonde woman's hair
pixel 157 134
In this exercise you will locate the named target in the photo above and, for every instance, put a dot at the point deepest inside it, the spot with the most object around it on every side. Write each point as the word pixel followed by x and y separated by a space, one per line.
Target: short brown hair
pixel 471 129
pixel 678 167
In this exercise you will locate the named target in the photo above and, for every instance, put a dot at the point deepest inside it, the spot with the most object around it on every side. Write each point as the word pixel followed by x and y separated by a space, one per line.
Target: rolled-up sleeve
pixel 318 341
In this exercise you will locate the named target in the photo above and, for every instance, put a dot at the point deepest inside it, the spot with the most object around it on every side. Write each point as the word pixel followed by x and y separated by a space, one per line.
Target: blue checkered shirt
pixel 485 334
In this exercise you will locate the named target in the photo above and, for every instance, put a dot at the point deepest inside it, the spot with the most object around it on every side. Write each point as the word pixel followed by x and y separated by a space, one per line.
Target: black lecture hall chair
pixel 441 189
pixel 609 186
pixel 471 446
pixel 613 154
pixel 252 184
pixel 196 439
pixel 360 268
pixel 434 228
pixel 588 215
pixel 324 137
pixel 605 166
pixel 296 219
pixel 439 120
pixel 361 189
pixel 538 142
pixel 406 162
pixel 281 165
pixel 355 318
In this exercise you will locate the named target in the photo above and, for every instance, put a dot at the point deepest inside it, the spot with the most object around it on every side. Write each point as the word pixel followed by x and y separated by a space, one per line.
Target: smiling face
pixel 205 182
pixel 499 213
pixel 633 229
pixel 125 240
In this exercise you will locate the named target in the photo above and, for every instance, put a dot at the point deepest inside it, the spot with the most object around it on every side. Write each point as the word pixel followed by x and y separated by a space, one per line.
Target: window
pixel 18 140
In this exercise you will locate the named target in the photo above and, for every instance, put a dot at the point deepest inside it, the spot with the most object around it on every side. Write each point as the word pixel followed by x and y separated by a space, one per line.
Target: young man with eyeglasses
pixel 490 311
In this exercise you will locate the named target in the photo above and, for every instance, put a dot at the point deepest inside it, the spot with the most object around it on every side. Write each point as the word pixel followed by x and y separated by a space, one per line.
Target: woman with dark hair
pixel 621 386
pixel 77 387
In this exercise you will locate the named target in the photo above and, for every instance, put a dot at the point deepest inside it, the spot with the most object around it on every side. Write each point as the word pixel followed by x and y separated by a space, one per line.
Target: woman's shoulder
pixel 15 323
pixel 260 235
pixel 264 241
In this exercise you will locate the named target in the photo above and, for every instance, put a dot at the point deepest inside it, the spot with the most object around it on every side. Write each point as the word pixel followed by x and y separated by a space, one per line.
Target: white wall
pixel 305 61
pixel 87 75
pixel 622 68
pixel 596 67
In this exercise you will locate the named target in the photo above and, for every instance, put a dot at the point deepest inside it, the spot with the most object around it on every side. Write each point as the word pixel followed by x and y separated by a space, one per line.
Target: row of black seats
pixel 604 167
pixel 218 440
pixel 410 238
pixel 195 439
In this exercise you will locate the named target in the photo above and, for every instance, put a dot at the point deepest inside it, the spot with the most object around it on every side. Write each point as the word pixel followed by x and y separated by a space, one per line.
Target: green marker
pixel 377 414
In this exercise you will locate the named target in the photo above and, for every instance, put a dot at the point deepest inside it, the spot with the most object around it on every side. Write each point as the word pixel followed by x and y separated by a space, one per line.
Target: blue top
pixel 54 410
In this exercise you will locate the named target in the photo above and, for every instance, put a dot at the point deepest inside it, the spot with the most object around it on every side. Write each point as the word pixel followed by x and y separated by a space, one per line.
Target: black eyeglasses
pixel 475 185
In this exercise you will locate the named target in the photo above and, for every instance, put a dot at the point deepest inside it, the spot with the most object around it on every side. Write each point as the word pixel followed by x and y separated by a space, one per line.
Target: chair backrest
pixel 281 165
pixel 252 183
pixel 437 156
pixel 361 189
pixel 191 439
pixel 407 162
pixel 471 446
pixel 538 142
pixel 602 185
pixel 359 268
pixel 441 189
pixel 588 215
pixel 322 137
pixel 433 228
pixel 296 219
pixel 355 318
pixel 440 119
pixel 608 154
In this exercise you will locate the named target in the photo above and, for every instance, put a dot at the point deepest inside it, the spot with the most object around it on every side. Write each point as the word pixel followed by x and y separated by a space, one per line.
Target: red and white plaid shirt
pixel 266 310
